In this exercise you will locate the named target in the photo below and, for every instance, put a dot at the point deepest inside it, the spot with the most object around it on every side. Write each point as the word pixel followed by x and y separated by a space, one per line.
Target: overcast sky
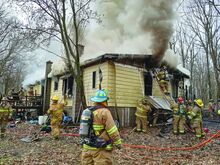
pixel 36 67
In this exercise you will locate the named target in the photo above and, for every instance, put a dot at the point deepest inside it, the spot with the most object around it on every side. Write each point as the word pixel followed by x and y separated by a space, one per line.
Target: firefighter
pixel 196 118
pixel 55 111
pixel 97 150
pixel 141 115
pixel 163 79
pixel 179 117
pixel 21 92
pixel 5 115
pixel 189 106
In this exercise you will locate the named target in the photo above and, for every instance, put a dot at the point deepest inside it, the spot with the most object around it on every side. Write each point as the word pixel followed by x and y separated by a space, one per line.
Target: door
pixel 148 81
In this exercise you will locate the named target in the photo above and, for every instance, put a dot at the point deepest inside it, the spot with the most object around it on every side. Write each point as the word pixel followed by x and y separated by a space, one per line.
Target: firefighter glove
pixel 118 146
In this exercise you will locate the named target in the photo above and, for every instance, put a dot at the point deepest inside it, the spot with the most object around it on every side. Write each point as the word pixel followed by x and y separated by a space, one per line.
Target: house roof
pixel 134 59
pixel 138 60
pixel 183 70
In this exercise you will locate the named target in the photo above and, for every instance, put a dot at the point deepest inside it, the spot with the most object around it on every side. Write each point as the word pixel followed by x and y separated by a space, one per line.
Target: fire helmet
pixel 180 99
pixel 100 96
pixel 199 102
pixel 219 112
pixel 55 98
pixel 206 130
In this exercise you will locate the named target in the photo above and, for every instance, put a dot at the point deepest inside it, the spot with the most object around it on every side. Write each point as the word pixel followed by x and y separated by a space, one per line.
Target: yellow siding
pixel 129 86
pixel 111 84
pixel 59 91
pixel 156 89
pixel 87 79
pixel 37 89
pixel 122 82
pixel 125 84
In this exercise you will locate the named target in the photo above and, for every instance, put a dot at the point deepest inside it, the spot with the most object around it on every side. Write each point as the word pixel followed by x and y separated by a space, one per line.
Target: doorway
pixel 148 81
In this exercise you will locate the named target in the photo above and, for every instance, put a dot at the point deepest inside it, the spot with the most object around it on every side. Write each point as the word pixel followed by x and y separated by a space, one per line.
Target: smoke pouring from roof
pixel 157 18
pixel 134 27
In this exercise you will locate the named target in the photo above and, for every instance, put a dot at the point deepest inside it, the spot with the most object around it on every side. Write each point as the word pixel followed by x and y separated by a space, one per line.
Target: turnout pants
pixel 141 123
pixel 96 157
pixel 178 124
pixel 3 125
pixel 197 126
pixel 55 129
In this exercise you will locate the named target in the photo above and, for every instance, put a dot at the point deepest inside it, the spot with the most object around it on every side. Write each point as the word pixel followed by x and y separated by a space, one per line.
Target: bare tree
pixel 14 44
pixel 203 23
pixel 66 21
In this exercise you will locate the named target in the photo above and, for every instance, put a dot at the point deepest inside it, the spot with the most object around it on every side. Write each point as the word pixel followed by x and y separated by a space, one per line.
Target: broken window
pixel 67 87
pixel 70 86
pixel 93 79
pixel 56 83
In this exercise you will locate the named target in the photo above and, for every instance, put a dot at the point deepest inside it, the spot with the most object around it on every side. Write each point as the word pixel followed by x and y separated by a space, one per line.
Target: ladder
pixel 167 97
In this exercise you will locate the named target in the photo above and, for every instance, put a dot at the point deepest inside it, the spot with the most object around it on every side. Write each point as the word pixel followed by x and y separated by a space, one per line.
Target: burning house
pixel 128 78
pixel 126 72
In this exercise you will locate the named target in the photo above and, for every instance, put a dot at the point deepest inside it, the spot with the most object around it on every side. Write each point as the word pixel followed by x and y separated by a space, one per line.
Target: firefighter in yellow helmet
pixel 179 119
pixel 98 132
pixel 55 111
pixel 5 114
pixel 196 118
pixel 141 115
pixel 163 79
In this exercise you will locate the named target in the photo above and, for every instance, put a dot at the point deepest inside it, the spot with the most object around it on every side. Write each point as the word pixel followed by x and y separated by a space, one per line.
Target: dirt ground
pixel 67 150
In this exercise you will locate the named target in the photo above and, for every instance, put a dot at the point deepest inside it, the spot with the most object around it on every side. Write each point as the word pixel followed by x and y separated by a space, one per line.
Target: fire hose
pixel 199 145
pixel 203 143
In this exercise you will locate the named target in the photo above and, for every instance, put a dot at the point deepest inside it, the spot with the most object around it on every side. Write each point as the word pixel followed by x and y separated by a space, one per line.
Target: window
pixel 93 79
pixel 56 83
pixel 64 88
pixel 68 86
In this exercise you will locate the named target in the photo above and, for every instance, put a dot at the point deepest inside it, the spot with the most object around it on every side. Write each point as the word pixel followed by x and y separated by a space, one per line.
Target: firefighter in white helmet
pixel 55 111
pixel 98 132
pixel 141 115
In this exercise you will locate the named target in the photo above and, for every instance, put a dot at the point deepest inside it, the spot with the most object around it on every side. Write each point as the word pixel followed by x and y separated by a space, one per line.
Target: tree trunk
pixel 208 75
pixel 218 82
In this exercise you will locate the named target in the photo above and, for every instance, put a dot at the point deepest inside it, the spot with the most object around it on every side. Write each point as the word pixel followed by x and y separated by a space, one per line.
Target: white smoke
pixel 131 27
pixel 170 58
pixel 59 67
pixel 36 67
pixel 37 74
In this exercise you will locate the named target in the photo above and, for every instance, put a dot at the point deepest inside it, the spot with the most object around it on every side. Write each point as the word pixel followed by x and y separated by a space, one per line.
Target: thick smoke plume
pixel 132 26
